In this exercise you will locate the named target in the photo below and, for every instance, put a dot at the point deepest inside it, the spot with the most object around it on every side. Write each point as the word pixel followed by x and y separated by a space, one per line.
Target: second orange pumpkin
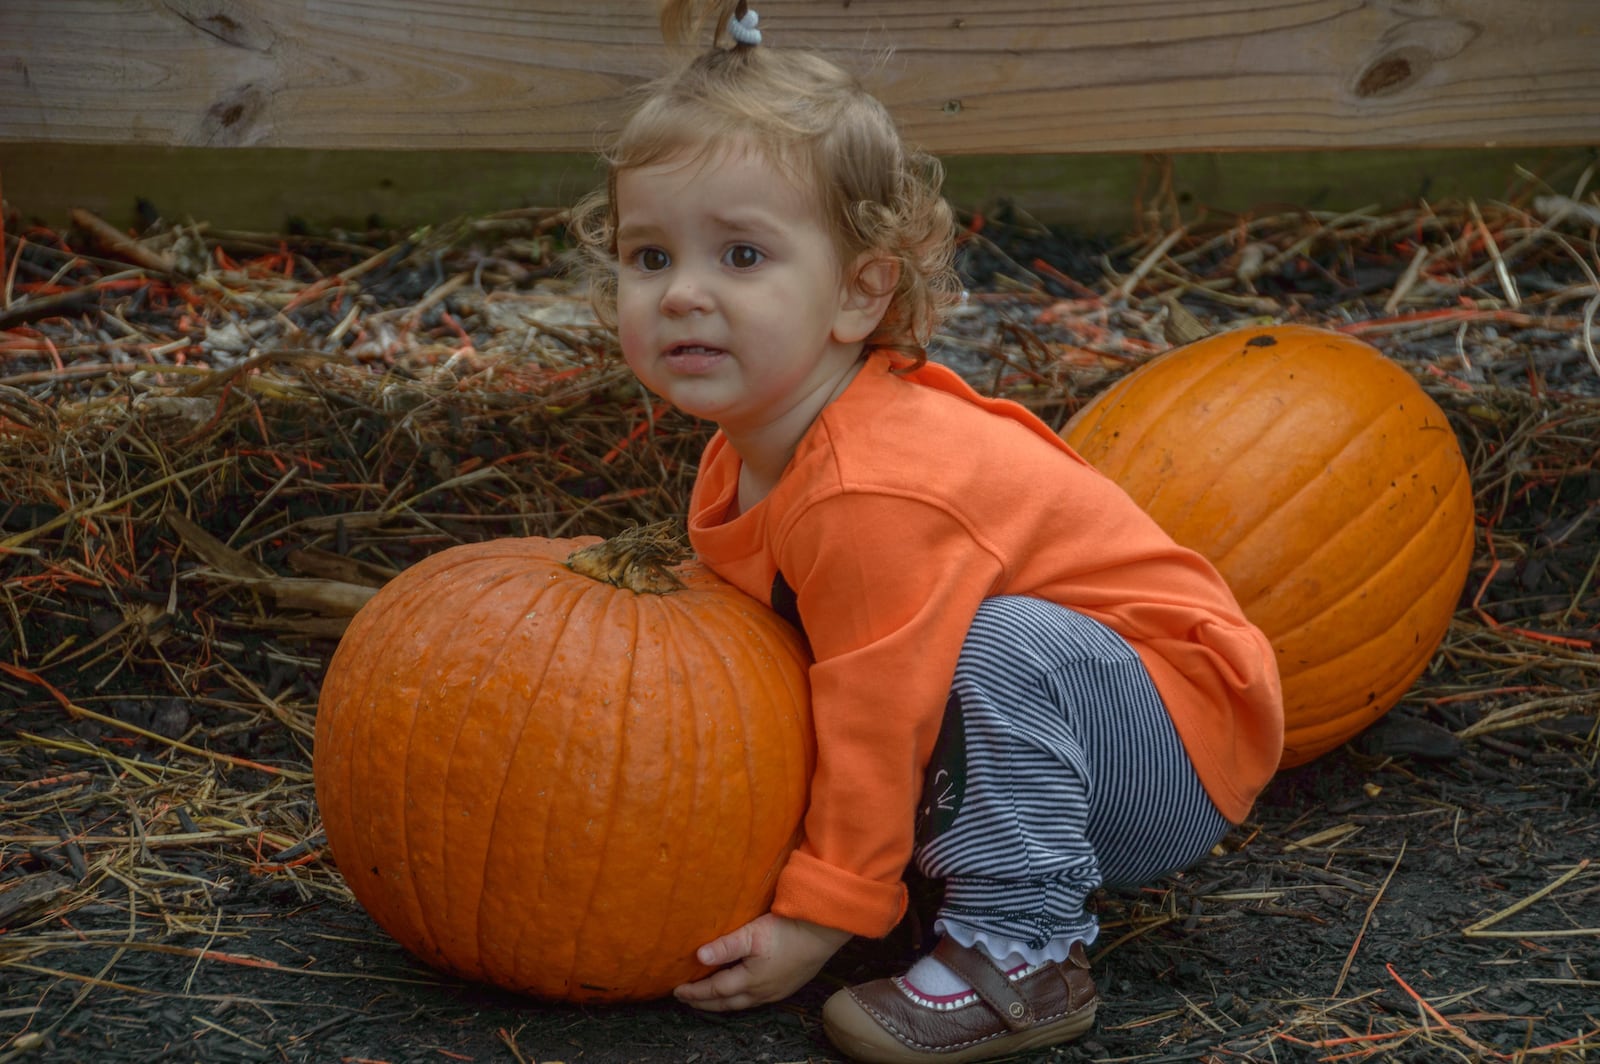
pixel 1328 489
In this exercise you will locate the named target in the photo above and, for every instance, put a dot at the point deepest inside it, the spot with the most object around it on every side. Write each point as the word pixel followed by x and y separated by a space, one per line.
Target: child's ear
pixel 869 285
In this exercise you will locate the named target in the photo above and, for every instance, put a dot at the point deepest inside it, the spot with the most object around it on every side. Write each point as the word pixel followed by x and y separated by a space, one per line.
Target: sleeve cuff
pixel 809 889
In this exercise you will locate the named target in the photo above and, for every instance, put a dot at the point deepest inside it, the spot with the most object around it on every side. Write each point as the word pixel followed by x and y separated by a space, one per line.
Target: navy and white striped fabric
pixel 1057 770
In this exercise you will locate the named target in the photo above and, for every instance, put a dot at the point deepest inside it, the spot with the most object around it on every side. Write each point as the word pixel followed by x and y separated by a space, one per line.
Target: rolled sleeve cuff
pixel 810 889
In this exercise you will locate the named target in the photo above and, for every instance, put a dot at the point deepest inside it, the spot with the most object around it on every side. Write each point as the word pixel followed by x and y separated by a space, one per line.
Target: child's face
pixel 731 302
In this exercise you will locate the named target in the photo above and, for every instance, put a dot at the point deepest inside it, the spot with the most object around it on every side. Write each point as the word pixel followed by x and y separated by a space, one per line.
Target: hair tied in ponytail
pixel 742 26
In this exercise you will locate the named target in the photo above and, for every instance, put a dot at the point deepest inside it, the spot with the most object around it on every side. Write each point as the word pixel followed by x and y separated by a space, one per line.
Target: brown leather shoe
pixel 885 1022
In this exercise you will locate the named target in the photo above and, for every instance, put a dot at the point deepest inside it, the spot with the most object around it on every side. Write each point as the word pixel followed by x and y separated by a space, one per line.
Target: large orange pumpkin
pixel 1327 488
pixel 534 778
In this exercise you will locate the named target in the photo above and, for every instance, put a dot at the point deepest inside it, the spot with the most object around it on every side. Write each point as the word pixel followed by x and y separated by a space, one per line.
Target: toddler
pixel 1019 682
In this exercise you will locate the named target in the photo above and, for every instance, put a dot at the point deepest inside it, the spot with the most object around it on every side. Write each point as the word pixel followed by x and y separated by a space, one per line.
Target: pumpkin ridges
pixel 1266 592
pixel 653 613
pixel 378 816
pixel 1416 570
pixel 586 947
pixel 742 826
pixel 1425 574
pixel 1150 415
pixel 741 816
pixel 750 782
pixel 700 848
pixel 572 869
pixel 1147 416
pixel 742 830
pixel 503 844
pixel 435 826
pixel 1347 469
pixel 682 746
pixel 420 620
pixel 1338 666
pixel 709 763
pixel 754 783
pixel 1421 615
pixel 426 828
pixel 1321 726
pixel 592 951
pixel 419 855
pixel 703 845
pixel 1180 495
pixel 1190 489
pixel 533 650
pixel 607 609
pixel 650 673
pixel 492 705
pixel 1155 487
pixel 1329 447
pixel 1224 557
pixel 419 881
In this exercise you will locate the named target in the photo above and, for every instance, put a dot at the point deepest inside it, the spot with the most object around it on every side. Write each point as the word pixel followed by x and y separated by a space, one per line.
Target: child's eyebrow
pixel 634 231
pixel 738 223
pixel 753 223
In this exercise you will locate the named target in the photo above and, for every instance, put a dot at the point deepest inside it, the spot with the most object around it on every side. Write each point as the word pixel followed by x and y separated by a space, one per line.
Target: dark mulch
pixel 207 458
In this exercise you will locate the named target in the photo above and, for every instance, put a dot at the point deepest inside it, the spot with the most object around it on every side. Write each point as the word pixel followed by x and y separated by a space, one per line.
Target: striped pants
pixel 1057 770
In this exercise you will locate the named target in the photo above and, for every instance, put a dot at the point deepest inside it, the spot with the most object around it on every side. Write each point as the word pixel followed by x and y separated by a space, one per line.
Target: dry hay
pixel 214 445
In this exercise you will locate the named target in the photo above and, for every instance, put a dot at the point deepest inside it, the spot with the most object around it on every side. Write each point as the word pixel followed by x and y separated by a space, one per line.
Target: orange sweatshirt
pixel 909 501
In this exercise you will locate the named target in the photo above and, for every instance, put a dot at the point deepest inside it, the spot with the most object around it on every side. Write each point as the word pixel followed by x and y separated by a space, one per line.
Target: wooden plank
pixel 962 76
pixel 268 189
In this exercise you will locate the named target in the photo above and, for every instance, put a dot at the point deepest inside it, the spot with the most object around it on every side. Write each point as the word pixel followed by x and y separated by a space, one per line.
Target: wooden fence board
pixel 996 76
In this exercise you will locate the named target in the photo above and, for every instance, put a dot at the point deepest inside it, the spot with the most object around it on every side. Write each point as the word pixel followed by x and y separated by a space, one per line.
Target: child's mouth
pixel 694 358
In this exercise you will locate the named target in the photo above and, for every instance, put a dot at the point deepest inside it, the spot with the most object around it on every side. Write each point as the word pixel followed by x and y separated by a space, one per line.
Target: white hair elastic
pixel 742 27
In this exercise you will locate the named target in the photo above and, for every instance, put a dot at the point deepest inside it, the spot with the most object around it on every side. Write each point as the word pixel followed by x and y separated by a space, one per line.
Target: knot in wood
pixel 1391 73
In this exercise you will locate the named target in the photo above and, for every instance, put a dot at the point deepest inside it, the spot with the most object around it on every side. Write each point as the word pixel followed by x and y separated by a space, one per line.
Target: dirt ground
pixel 1341 925
pixel 1425 893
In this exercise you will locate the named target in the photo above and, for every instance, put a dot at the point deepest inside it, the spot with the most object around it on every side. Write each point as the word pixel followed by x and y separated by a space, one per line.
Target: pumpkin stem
pixel 639 559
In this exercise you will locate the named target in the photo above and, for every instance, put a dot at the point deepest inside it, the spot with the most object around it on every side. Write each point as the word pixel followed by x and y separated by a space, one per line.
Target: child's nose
pixel 686 293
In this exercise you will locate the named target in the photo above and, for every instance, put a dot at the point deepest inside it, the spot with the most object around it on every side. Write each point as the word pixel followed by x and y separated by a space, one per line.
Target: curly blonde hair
pixel 805 113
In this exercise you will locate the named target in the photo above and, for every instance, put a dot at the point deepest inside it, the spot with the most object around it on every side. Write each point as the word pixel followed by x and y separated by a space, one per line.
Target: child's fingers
pixel 720 991
pixel 734 946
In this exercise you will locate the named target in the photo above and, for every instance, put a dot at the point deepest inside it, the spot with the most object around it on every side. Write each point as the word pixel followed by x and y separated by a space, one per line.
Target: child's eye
pixel 742 256
pixel 651 259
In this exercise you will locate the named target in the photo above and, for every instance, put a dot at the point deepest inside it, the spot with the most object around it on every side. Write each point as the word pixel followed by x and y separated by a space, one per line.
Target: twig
pixel 82 512
pixel 1480 929
pixel 1586 334
pixel 120 243
pixel 510 1040
pixel 1408 280
pixel 1148 263
pixel 1367 920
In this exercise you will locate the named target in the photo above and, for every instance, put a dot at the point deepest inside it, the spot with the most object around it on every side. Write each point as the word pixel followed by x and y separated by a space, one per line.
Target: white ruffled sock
pixel 932 978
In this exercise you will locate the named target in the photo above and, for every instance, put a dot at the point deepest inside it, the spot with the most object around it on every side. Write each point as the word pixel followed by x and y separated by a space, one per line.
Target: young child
pixel 1020 681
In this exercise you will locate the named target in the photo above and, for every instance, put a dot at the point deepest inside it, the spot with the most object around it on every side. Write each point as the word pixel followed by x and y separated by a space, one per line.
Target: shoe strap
pixel 988 981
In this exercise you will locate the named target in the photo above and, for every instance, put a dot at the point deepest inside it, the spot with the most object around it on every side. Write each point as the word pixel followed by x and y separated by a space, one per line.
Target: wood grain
pixel 1001 76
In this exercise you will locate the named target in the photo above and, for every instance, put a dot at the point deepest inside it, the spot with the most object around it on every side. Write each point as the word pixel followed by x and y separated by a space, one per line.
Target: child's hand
pixel 776 956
